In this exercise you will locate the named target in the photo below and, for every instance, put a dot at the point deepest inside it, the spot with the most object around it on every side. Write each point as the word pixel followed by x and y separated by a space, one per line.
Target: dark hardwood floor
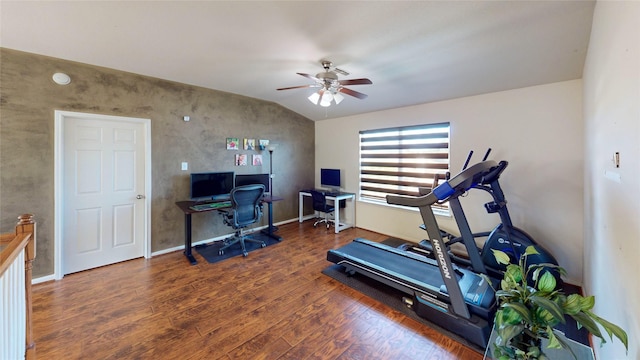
pixel 273 304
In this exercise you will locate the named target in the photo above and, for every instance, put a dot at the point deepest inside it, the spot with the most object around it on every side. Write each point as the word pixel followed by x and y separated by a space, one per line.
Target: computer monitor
pixel 330 178
pixel 211 185
pixel 250 179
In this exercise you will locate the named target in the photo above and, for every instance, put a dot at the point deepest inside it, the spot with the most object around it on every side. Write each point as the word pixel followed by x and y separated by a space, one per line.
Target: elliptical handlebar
pixel 486 155
pixel 466 162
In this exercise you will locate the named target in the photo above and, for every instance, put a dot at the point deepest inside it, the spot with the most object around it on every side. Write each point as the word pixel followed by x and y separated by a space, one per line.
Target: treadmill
pixel 456 299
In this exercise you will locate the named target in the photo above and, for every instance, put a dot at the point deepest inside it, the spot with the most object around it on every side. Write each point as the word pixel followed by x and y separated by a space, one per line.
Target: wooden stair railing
pixel 12 246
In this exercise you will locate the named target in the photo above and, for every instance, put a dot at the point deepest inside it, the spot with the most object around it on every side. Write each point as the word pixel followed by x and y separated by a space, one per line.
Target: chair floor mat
pixel 210 251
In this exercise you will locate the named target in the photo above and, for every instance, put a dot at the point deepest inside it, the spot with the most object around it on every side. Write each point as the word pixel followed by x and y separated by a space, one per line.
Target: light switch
pixel 185 166
pixel 186 118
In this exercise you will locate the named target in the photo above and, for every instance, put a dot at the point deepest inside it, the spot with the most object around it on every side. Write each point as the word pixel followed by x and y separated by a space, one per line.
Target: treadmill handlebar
pixel 425 200
pixel 495 173
pixel 458 184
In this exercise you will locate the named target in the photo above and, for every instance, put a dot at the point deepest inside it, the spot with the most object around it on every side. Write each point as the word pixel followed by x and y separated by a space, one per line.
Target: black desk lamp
pixel 271 148
pixel 269 231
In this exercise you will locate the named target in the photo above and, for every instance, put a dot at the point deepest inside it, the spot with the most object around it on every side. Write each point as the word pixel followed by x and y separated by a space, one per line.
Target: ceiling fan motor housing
pixel 328 78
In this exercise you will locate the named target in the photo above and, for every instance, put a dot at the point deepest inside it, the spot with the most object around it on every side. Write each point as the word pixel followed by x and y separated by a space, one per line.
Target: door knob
pixel 140 197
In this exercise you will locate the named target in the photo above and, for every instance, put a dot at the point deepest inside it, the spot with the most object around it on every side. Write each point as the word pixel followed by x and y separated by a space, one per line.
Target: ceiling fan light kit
pixel 338 98
pixel 324 98
pixel 331 89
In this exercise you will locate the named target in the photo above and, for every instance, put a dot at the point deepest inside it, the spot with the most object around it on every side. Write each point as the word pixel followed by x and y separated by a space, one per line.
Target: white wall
pixel 537 129
pixel 612 208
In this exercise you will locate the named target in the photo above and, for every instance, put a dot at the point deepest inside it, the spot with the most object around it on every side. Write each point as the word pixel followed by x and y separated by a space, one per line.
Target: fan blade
pixel 353 93
pixel 355 82
pixel 299 87
pixel 310 77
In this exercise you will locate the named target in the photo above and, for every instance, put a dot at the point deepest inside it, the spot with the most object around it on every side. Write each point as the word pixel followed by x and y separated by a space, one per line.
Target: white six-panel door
pixel 103 191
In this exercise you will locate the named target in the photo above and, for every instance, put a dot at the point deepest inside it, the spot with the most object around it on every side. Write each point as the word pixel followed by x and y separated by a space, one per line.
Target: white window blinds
pixel 400 160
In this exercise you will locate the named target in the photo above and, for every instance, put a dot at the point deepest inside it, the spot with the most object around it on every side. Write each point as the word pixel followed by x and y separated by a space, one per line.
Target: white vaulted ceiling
pixel 414 51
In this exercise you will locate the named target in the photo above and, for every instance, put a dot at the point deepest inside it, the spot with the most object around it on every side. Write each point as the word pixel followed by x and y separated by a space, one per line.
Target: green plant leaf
pixel 585 320
pixel 501 257
pixel 531 250
pixel 553 308
pixel 533 352
pixel 573 304
pixel 505 285
pixel 611 328
pixel 554 343
pixel 513 274
pixel 505 293
pixel 587 303
pixel 536 272
pixel 566 346
pixel 520 309
pixel 545 318
pixel 508 316
pixel 506 333
pixel 547 282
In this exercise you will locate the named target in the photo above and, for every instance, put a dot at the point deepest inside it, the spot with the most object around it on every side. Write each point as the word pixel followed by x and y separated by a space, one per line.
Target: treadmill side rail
pixel 474 329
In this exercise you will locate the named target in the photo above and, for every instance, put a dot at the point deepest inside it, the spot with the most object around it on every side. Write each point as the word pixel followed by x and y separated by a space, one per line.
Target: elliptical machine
pixel 504 237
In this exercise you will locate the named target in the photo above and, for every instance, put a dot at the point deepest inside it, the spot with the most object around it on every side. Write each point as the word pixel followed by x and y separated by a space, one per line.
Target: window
pixel 400 160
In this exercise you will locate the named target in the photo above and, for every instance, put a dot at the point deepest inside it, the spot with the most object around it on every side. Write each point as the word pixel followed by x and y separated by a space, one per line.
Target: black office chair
pixel 320 205
pixel 246 209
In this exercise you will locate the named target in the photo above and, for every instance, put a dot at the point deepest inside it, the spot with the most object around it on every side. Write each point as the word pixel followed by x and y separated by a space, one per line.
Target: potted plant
pixel 528 311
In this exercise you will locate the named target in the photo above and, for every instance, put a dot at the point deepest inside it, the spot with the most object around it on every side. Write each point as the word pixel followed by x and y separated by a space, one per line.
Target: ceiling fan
pixel 331 89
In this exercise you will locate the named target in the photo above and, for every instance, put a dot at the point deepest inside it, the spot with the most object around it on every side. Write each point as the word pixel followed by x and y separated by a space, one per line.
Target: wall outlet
pixel 185 166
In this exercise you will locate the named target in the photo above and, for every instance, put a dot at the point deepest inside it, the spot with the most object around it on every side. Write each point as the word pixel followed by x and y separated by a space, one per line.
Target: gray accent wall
pixel 29 97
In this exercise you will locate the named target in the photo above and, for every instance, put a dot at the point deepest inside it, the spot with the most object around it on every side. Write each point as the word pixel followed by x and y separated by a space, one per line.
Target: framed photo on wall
pixel 232 143
pixel 249 144
pixel 241 159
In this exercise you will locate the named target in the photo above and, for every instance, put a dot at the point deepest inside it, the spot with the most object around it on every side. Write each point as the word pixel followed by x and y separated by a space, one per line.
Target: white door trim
pixel 58 183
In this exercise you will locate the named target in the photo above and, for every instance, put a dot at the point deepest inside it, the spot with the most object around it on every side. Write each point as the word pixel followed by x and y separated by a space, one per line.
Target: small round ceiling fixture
pixel 61 78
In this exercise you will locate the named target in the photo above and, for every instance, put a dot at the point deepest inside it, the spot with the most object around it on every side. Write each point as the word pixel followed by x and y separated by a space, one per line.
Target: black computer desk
pixel 185 206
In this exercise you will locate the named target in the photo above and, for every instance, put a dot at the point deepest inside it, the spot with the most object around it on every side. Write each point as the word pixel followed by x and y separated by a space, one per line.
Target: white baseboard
pixel 42 279
pixel 181 247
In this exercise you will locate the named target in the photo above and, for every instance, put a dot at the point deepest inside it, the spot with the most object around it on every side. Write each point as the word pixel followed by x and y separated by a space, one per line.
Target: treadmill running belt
pixel 409 272
pixel 382 258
